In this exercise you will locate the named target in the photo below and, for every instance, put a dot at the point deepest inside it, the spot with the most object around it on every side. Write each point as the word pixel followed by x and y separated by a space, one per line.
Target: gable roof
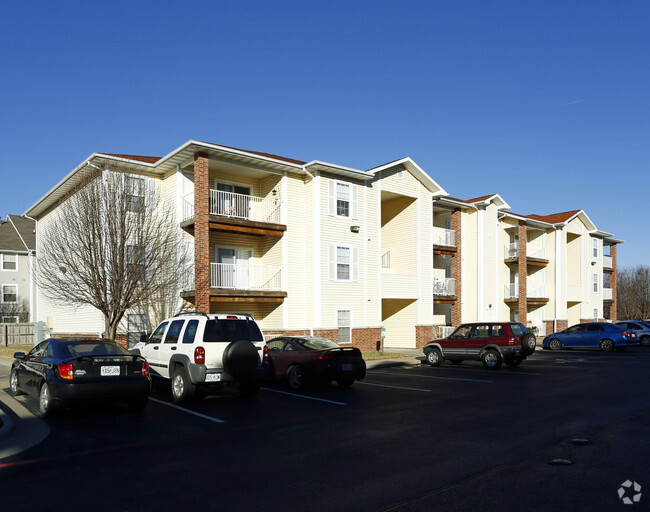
pixel 17 234
pixel 555 218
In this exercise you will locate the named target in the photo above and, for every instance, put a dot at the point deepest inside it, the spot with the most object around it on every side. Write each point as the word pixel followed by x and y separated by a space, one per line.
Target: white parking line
pixel 210 418
pixel 432 377
pixel 394 387
pixel 303 396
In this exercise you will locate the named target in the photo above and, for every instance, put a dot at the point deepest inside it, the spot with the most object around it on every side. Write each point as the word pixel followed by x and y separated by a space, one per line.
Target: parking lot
pixel 408 437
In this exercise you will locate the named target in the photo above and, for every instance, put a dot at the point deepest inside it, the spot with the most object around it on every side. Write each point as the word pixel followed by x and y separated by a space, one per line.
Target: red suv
pixel 490 342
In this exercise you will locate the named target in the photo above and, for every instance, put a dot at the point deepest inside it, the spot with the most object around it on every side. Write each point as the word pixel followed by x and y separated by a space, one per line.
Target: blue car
pixel 601 335
pixel 641 328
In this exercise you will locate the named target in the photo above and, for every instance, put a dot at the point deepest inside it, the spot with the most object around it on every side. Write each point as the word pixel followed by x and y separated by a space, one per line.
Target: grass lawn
pixel 8 352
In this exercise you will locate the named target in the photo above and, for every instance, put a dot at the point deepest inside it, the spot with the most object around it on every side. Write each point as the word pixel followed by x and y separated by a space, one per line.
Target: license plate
pixel 212 377
pixel 110 370
pixel 346 367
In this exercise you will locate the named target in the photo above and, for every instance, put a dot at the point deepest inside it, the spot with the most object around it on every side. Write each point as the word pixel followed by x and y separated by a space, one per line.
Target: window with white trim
pixel 595 283
pixel 344 325
pixel 9 293
pixel 9 320
pixel 343 199
pixel 596 314
pixel 135 189
pixel 9 261
pixel 343 263
pixel 594 252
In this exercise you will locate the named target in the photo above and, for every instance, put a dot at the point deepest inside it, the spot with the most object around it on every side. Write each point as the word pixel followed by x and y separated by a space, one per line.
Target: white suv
pixel 202 353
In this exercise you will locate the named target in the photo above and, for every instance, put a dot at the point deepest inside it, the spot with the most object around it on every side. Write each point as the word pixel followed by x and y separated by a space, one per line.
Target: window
pixel 343 263
pixel 174 331
pixel 595 283
pixel 9 320
pixel 135 201
pixel 596 316
pixel 157 335
pixel 190 331
pixel 595 248
pixel 9 293
pixel 344 323
pixel 9 261
pixel 342 199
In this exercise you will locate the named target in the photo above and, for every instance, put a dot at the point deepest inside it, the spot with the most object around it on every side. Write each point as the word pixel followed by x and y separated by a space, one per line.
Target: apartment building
pixel 17 244
pixel 378 257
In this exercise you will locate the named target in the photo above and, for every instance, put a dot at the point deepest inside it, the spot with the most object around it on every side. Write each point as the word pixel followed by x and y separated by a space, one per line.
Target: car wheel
pixel 645 341
pixel 45 405
pixel 491 359
pixel 249 389
pixel 434 357
pixel 606 345
pixel 296 376
pixel 513 363
pixel 555 344
pixel 345 383
pixel 528 344
pixel 13 384
pixel 182 388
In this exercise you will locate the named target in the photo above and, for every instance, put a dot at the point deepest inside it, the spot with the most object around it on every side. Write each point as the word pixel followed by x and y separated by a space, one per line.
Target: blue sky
pixel 545 102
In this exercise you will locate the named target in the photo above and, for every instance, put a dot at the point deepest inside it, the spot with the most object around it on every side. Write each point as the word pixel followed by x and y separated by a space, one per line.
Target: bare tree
pixel 19 309
pixel 113 245
pixel 633 293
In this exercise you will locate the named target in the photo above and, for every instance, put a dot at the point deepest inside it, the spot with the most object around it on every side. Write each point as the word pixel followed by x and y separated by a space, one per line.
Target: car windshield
pixel 93 348
pixel 317 343
pixel 231 330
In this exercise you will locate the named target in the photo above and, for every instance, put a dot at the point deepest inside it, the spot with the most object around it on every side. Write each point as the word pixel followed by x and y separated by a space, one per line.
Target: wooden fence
pixel 16 334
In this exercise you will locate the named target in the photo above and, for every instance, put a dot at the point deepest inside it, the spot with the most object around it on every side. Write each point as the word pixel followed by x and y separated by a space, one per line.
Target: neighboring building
pixel 17 248
pixel 313 247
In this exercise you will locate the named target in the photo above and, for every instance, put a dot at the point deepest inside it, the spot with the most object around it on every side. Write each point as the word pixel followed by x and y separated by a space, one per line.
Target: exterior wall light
pixel 355 229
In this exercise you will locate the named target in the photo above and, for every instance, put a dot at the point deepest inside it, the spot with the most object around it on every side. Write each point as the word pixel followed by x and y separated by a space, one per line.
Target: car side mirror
pixel 19 355
pixel 143 338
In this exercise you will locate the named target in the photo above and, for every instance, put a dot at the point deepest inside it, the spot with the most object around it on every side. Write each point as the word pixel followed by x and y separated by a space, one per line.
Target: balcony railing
pixel 245 276
pixel 608 294
pixel 532 251
pixel 385 259
pixel 444 237
pixel 608 262
pixel 239 206
pixel 445 286
pixel 512 291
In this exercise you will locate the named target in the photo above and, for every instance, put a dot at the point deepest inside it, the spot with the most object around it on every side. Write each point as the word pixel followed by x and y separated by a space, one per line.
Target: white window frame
pixel 596 314
pixel 341 328
pixel 5 319
pixel 2 296
pixel 334 263
pixel 352 199
pixel 15 262
pixel 594 245
pixel 595 283
pixel 135 188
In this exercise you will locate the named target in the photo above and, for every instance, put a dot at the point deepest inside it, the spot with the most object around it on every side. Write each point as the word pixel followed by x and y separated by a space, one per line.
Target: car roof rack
pixel 181 313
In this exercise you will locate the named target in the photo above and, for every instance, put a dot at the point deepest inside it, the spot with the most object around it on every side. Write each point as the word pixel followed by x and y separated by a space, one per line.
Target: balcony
pixel 608 263
pixel 608 294
pixel 385 260
pixel 239 213
pixel 535 253
pixel 445 286
pixel 444 237
pixel 534 294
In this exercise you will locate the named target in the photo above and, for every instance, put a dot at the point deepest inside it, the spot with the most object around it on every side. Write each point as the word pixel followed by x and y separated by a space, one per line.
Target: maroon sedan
pixel 310 359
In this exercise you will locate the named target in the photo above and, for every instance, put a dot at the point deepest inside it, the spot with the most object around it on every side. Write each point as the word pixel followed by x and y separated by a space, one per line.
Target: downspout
pixel 32 255
pixel 311 328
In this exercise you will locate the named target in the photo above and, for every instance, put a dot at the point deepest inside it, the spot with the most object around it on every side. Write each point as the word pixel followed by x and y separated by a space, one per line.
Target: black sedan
pixel 64 371
pixel 311 359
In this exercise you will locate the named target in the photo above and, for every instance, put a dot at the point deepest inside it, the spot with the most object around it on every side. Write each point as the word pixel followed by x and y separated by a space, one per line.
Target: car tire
pixel 13 384
pixel 296 377
pixel 46 406
pixel 555 344
pixel 606 345
pixel 528 344
pixel 434 357
pixel 183 389
pixel 345 383
pixel 240 359
pixel 645 341
pixel 249 389
pixel 491 359
pixel 513 363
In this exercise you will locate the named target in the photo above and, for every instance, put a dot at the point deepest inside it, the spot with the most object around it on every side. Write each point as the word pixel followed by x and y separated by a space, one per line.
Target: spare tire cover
pixel 528 344
pixel 240 359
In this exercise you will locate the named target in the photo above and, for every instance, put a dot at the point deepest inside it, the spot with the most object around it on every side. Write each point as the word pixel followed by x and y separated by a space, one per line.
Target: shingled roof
pixel 17 234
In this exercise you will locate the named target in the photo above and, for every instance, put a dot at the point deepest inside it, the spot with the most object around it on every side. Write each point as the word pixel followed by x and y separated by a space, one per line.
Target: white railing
pixel 608 294
pixel 385 259
pixel 511 291
pixel 240 206
pixel 608 262
pixel 444 331
pixel 445 286
pixel 511 251
pixel 445 237
pixel 245 276
pixel 532 251
pixel 537 292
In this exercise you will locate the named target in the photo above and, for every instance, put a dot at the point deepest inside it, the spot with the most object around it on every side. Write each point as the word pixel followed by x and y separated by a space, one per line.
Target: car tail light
pixel 266 354
pixel 626 334
pixel 199 355
pixel 513 341
pixel 327 355
pixel 145 368
pixel 66 371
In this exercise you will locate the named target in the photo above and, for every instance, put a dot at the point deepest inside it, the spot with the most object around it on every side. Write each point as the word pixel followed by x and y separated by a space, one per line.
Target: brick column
pixel 457 270
pixel 522 269
pixel 201 233
pixel 613 316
